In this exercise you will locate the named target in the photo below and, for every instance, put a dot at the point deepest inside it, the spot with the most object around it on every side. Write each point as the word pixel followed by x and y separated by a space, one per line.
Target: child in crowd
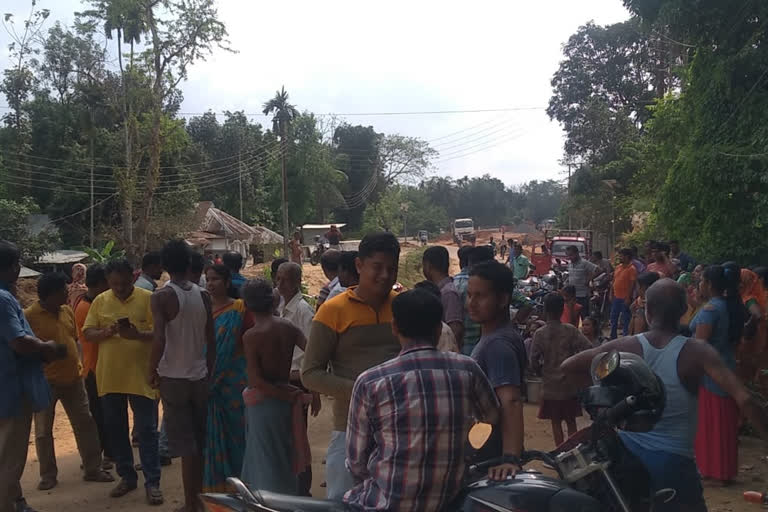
pixel 553 344
pixel 644 281
pixel 572 310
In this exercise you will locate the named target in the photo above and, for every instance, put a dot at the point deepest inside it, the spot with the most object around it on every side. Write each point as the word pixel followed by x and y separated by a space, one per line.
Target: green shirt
pixel 520 265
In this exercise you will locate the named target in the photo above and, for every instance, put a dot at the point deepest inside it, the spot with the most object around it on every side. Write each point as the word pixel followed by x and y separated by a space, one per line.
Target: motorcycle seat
pixel 299 503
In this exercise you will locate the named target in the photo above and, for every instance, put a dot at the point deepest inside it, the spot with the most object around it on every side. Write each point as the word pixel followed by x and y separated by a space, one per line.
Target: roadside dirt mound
pixel 26 291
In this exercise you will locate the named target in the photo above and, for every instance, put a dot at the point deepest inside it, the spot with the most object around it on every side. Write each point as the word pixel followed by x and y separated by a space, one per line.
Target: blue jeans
pixel 619 310
pixel 115 406
pixel 163 440
pixel 337 476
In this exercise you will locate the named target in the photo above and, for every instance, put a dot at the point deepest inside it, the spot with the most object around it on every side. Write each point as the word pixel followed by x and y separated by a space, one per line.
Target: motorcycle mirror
pixel 479 434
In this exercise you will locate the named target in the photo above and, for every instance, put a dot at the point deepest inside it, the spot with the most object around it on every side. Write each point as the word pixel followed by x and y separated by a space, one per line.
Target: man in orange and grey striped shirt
pixel 351 333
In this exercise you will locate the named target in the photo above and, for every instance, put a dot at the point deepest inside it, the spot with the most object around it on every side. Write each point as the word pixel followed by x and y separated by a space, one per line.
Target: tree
pixel 15 228
pixel 356 154
pixel 404 159
pixel 283 115
pixel 543 199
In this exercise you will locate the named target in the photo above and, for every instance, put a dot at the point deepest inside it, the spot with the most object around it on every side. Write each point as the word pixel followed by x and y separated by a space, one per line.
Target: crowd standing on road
pixel 239 365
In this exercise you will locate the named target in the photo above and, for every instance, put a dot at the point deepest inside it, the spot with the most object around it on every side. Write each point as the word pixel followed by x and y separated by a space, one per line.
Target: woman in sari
pixel 225 433
pixel 76 289
pixel 752 357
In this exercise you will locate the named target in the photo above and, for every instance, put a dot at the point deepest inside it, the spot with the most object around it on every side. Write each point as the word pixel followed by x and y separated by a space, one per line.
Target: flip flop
pixel 122 488
pixel 154 496
pixel 101 476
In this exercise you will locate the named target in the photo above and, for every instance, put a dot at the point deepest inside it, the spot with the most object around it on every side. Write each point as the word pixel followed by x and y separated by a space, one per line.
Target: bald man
pixel 295 309
pixel 681 363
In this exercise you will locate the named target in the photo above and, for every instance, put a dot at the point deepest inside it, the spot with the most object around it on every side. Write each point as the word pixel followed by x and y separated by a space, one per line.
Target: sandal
pixel 101 476
pixel 47 485
pixel 154 496
pixel 122 488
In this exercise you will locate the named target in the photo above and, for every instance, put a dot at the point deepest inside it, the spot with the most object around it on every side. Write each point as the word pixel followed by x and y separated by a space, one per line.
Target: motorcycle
pixel 595 472
pixel 321 245
pixel 599 305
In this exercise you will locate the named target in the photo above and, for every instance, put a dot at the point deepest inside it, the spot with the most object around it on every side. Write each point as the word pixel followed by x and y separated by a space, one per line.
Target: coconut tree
pixel 283 114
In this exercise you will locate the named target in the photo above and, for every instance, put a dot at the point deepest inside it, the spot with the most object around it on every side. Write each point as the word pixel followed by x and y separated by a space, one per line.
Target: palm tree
pixel 283 115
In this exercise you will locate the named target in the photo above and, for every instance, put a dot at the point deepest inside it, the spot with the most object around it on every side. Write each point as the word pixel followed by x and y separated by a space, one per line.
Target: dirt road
pixel 74 495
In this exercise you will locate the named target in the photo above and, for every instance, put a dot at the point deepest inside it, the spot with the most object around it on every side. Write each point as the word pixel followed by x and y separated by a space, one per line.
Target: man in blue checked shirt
pixel 409 417
pixel 24 390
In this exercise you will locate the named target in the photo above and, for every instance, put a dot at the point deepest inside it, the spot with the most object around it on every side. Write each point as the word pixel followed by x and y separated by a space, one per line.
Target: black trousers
pixel 304 479
pixel 96 411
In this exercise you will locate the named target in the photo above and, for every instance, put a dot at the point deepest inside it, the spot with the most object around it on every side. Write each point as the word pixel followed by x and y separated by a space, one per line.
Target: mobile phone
pixel 124 322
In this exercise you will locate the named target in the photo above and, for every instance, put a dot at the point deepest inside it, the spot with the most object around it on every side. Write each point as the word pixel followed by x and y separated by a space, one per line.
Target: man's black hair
pixel 151 258
pixel 647 279
pixel 626 252
pixel 121 266
pixel 666 301
pixel 275 266
pixel 500 276
pixel 50 283
pixel 330 260
pixel 9 254
pixel 347 263
pixel 662 247
pixel 196 262
pixel 463 254
pixel 762 273
pixel 234 260
pixel 258 295
pixel 379 242
pixel 430 287
pixel 597 254
pixel 438 257
pixel 176 257
pixel 480 254
pixel 572 248
pixel 417 314
pixel 569 290
pixel 635 250
pixel 554 303
pixel 95 275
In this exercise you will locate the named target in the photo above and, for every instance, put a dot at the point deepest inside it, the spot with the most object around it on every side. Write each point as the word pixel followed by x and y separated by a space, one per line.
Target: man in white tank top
pixel 183 353
pixel 667 450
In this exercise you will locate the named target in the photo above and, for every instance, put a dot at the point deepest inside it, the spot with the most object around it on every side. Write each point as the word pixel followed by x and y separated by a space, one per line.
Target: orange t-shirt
pixel 90 350
pixel 624 278
pixel 571 314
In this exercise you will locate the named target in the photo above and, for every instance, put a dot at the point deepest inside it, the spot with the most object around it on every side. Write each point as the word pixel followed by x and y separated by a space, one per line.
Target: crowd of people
pixel 239 364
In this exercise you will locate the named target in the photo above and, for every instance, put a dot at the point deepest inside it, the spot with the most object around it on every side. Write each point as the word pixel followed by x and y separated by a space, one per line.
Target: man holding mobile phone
pixel 120 321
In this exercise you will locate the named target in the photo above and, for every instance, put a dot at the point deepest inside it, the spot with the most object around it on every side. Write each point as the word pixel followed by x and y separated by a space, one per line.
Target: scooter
pixel 595 472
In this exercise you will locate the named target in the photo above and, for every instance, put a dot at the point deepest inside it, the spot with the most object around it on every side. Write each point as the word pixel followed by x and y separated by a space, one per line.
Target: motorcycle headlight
pixel 605 364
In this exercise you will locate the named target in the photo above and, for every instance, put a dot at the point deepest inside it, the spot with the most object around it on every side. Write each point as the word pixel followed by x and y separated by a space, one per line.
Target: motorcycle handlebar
pixel 525 458
pixel 613 415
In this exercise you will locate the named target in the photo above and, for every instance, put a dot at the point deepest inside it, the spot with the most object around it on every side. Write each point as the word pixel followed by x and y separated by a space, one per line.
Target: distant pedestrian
pixel 553 344
pixel 590 328
pixel 572 309
pixel 519 262
pixel 638 324
pixel 447 340
pixel 50 318
pixel 687 264
pixel 183 353
pixel 580 273
pixel 348 276
pixel 624 280
pixel 295 246
pixel 77 288
pixel 661 264
pixel 234 262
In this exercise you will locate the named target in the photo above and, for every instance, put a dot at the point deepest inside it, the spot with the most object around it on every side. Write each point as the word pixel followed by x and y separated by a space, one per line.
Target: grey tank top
pixel 185 338
pixel 676 430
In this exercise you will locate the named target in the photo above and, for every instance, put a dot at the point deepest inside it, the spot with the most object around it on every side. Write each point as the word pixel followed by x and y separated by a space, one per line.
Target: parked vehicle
pixel 423 237
pixel 599 305
pixel 595 472
pixel 464 231
pixel 321 245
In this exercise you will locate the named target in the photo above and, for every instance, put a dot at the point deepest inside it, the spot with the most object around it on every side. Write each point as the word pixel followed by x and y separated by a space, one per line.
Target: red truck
pixel 555 242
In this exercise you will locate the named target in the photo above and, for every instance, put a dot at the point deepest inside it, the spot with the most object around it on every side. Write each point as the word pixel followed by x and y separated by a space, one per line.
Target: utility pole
pixel 285 199
pixel 240 180
pixel 90 143
pixel 569 195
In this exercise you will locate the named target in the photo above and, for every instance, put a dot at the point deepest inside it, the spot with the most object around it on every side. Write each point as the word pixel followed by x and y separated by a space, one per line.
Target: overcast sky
pixel 352 56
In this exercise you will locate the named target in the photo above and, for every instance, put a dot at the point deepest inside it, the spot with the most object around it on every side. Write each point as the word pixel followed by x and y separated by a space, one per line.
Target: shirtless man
pixel 681 363
pixel 268 347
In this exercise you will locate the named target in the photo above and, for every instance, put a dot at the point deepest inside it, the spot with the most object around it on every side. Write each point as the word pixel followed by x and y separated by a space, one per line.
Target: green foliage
pixel 105 254
pixel 15 228
pixel 410 270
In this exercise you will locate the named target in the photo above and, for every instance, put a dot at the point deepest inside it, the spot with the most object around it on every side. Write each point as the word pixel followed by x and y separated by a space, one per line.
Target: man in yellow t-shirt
pixel 51 319
pixel 120 321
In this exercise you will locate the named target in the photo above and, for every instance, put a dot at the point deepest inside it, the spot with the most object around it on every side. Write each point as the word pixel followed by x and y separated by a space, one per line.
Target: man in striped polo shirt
pixel 351 333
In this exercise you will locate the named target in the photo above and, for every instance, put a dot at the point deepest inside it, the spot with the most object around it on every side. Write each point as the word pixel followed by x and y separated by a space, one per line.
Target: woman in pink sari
pixel 76 289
